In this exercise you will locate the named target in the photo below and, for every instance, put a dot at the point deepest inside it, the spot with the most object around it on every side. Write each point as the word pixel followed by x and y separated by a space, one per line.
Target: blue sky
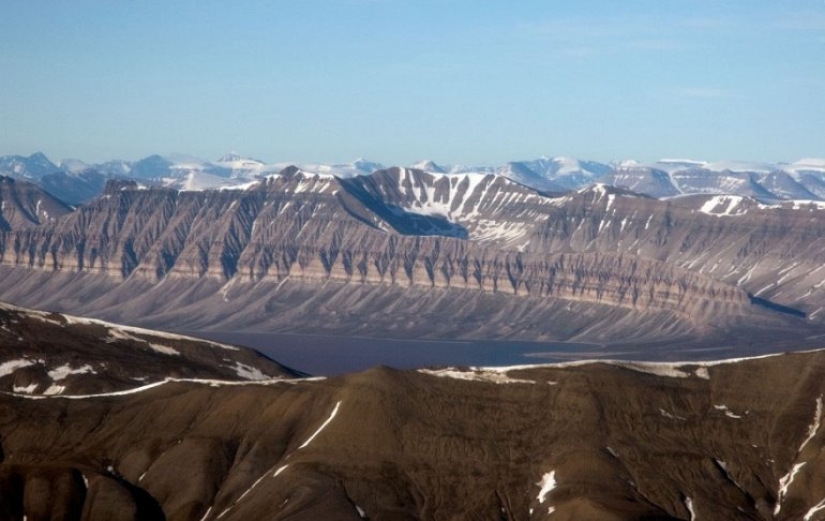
pixel 396 81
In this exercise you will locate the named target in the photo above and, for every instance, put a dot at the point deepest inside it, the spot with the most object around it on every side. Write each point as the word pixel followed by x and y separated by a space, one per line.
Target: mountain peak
pixel 811 162
pixel 366 166
pixel 230 157
pixel 234 157
pixel 428 166
pixel 601 189
pixel 73 166
pixel 33 167
pixel 40 157
pixel 626 163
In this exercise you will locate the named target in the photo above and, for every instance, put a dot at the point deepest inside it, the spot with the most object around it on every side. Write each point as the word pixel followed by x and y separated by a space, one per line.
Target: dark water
pixel 326 355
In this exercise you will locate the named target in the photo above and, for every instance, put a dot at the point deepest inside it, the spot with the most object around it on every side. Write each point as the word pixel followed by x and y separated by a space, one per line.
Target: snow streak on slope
pixel 723 206
pixel 322 427
pixel 547 484
pixel 474 201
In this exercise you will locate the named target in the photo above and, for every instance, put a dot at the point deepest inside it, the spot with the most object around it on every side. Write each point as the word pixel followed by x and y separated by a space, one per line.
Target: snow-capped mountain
pixel 115 167
pixel 231 170
pixel 545 173
pixel 356 168
pixel 521 173
pixel 642 179
pixel 73 181
pixel 242 167
pixel 76 181
pixel 566 171
pixel 464 169
pixel 767 182
pixel 73 166
pixel 34 166
pixel 234 157
pixel 428 166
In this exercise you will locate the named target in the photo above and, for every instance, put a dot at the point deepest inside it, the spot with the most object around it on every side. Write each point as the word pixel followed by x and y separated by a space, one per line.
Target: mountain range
pixel 407 253
pixel 100 421
pixel 77 182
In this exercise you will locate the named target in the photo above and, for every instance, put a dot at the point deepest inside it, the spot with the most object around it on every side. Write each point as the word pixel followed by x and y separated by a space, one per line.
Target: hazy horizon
pixel 181 157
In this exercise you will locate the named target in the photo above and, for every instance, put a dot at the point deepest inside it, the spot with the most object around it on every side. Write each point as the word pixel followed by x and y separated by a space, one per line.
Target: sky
pixel 396 81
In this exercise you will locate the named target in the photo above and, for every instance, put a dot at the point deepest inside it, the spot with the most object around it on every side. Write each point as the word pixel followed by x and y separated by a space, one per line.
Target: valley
pixel 337 355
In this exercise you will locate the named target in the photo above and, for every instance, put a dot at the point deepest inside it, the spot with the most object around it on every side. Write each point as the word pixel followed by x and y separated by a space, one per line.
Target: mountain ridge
pixel 510 260
pixel 53 354
pixel 730 440
pixel 803 179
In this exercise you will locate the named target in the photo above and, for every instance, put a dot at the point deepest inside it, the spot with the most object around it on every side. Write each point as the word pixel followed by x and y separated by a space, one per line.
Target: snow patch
pixel 671 416
pixel 29 389
pixel 64 371
pixel 280 469
pixel 54 389
pixel 475 375
pixel 814 427
pixel 547 484
pixel 7 368
pixel 203 381
pixel 322 427
pixel 70 319
pixel 803 204
pixel 166 350
pixel 816 508
pixel 785 483
pixel 655 368
pixel 248 372
pixel 723 206
pixel 252 487
pixel 490 230
pixel 670 369
pixel 119 334
pixel 728 413
pixel 689 506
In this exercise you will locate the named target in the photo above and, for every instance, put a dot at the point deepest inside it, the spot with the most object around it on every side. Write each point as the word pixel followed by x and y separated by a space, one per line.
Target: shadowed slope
pixel 584 441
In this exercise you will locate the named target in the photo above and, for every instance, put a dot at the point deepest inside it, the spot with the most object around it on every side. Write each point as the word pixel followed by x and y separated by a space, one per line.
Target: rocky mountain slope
pixel 409 253
pixel 24 204
pixel 53 354
pixel 730 440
